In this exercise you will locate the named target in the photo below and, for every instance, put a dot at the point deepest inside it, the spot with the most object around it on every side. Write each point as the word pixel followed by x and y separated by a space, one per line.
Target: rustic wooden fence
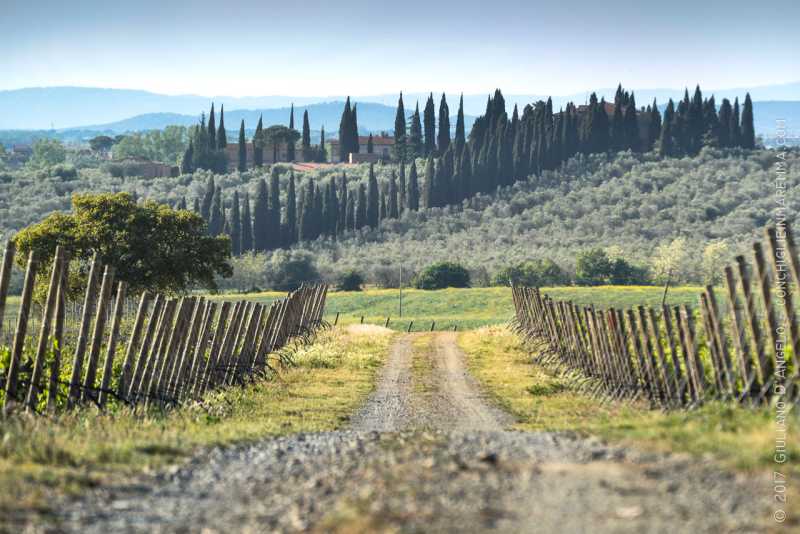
pixel 176 348
pixel 745 349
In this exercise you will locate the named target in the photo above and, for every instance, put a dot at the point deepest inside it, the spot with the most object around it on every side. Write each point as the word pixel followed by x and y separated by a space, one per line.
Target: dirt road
pixel 428 453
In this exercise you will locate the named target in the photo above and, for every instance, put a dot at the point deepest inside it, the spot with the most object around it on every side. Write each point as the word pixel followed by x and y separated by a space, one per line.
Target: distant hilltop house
pixel 143 168
pixel 271 154
pixel 381 149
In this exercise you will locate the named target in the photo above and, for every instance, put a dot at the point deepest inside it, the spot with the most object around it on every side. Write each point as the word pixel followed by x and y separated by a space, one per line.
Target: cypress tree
pixel 361 208
pixel 429 189
pixel 261 228
pixel 748 131
pixel 187 166
pixel 415 141
pixel 372 212
pixel 242 149
pixel 695 122
pixel 274 240
pixel 402 198
pixel 307 213
pixel 332 220
pixel 208 198
pixel 400 130
pixel 222 135
pixel 725 112
pixel 212 130
pixel 370 146
pixel 460 139
pixel 653 127
pixel 290 146
pixel 291 211
pixel 382 214
pixel 258 144
pixel 354 131
pixel 196 205
pixel 246 225
pixel 466 187
pixel 711 125
pixel 344 132
pixel 443 138
pixel 316 212
pixel 735 129
pixel 666 142
pixel 236 226
pixel 393 207
pixel 429 122
pixel 632 139
pixel 350 214
pixel 323 157
pixel 306 137
pixel 216 218
pixel 413 188
pixel 344 198
pixel 618 137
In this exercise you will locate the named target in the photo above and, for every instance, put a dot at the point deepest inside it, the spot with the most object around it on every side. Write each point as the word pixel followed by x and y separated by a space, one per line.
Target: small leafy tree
pixel 47 152
pixel 287 270
pixel 535 273
pixel 442 275
pixel 350 281
pixel 151 246
pixel 593 267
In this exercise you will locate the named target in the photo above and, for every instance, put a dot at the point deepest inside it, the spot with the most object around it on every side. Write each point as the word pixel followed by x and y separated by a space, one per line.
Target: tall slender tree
pixel 246 225
pixel 413 188
pixel 217 219
pixel 242 149
pixel 307 223
pixel 748 131
pixel 666 142
pixel 429 122
pixel 306 137
pixel 416 144
pixel 345 142
pixel 443 137
pixel 236 226
pixel 400 130
pixel 289 144
pixel 208 198
pixel 361 208
pixel 222 136
pixel 274 240
pixel 212 130
pixel 725 112
pixel 735 128
pixel 187 164
pixel 393 208
pixel 258 146
pixel 323 156
pixel 403 199
pixel 372 198
pixel 460 139
pixel 429 189
pixel 261 230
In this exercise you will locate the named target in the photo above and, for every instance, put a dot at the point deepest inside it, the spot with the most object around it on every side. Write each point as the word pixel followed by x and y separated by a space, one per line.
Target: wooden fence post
pixel 133 342
pixel 44 334
pixel 5 278
pixel 97 337
pixel 58 337
pixel 83 333
pixel 21 331
pixel 111 348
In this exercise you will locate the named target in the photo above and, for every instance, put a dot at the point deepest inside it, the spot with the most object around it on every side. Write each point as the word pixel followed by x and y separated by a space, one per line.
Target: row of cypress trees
pixel 207 143
pixel 329 208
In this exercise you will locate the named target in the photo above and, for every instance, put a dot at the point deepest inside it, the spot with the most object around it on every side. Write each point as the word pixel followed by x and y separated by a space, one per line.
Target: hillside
pixel 632 202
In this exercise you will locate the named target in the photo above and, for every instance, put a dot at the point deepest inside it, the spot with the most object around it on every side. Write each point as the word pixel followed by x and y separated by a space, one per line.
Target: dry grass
pixel 45 457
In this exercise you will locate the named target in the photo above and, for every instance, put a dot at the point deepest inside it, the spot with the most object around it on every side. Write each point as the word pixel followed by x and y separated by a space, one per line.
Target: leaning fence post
pixel 58 337
pixel 111 349
pixel 5 279
pixel 133 342
pixel 83 333
pixel 22 328
pixel 97 337
pixel 44 333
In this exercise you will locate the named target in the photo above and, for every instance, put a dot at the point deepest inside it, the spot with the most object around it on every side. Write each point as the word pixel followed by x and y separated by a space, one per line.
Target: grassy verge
pixel 738 438
pixel 471 307
pixel 45 457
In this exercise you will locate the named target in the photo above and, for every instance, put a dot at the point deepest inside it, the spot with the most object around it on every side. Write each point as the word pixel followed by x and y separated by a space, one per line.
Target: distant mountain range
pixel 41 108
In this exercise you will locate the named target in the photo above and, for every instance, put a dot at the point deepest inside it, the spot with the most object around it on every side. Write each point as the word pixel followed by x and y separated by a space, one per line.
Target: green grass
pixel 43 457
pixel 736 437
pixel 469 308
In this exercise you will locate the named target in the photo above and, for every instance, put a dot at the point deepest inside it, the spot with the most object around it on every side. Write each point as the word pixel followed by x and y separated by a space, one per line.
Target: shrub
pixel 594 267
pixel 65 172
pixel 534 273
pixel 350 281
pixel 442 275
pixel 287 270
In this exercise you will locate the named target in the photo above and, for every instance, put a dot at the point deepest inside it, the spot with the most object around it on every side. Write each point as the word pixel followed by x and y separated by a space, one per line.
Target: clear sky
pixel 359 47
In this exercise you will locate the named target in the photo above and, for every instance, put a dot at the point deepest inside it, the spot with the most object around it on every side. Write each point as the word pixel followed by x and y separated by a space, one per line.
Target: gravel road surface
pixel 427 453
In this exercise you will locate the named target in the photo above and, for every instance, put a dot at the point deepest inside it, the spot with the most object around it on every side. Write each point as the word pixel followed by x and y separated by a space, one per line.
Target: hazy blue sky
pixel 326 47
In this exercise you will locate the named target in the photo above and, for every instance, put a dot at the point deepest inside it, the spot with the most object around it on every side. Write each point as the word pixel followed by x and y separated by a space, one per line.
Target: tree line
pixel 207 144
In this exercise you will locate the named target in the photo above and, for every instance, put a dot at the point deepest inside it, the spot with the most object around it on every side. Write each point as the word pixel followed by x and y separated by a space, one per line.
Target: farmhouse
pixel 382 149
